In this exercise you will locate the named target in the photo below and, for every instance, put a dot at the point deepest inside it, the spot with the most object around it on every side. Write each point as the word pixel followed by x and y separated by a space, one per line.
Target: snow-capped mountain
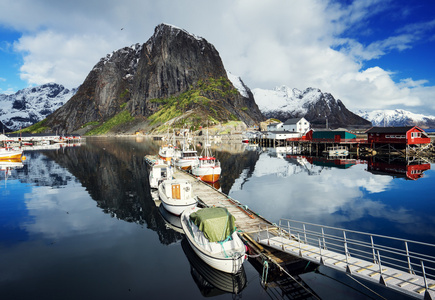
pixel 397 117
pixel 317 107
pixel 31 105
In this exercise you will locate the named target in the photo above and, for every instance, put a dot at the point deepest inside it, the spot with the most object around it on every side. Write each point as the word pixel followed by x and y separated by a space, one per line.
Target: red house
pixel 409 135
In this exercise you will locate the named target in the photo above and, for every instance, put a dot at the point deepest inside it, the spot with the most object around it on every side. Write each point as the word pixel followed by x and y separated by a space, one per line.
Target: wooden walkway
pixel 253 230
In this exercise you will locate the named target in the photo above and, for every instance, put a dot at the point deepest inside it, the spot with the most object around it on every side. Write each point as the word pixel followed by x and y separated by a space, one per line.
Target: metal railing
pixel 400 254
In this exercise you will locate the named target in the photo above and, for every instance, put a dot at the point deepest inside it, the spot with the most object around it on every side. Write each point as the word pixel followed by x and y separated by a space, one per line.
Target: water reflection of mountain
pixel 234 162
pixel 115 175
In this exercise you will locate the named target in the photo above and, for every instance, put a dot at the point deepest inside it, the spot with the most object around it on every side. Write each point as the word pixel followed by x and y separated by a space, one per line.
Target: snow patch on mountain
pixel 286 99
pixel 397 117
pixel 31 105
pixel 238 84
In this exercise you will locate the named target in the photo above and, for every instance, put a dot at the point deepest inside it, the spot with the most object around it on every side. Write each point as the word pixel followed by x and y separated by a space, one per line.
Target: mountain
pixel 31 105
pixel 397 117
pixel 174 76
pixel 284 103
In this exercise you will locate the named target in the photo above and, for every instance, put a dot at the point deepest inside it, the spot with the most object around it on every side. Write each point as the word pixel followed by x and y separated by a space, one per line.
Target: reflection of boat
pixel 9 153
pixel 208 168
pixel 159 171
pixel 9 165
pixel 336 151
pixel 210 281
pixel 171 220
pixel 177 195
pixel 212 234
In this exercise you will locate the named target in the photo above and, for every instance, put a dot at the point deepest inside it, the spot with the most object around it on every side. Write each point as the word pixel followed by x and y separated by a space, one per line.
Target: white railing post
pixel 424 274
pixel 346 253
pixel 289 230
pixel 408 258
pixel 323 238
pixel 373 249
pixel 305 234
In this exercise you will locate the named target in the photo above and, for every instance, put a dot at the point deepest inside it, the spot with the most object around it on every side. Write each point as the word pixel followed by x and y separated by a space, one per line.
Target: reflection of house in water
pixel 341 163
pixel 400 168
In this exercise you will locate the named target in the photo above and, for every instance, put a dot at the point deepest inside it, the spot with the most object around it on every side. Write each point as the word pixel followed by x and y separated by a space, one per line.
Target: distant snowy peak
pixel 397 117
pixel 318 108
pixel 31 105
pixel 286 99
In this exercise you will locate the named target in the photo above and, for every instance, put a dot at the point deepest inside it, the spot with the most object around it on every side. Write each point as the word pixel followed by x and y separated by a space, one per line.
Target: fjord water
pixel 81 223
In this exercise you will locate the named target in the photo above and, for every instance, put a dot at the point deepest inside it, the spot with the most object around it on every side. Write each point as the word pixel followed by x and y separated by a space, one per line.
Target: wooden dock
pixel 268 241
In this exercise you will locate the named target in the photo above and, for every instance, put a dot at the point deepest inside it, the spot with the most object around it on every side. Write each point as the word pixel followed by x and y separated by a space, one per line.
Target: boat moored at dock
pixel 159 171
pixel 177 195
pixel 212 234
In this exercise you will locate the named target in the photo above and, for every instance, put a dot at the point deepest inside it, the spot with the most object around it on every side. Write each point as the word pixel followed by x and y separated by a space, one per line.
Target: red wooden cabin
pixel 408 135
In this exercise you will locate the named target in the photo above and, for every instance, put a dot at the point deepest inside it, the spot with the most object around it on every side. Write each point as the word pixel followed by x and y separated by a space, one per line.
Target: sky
pixel 370 54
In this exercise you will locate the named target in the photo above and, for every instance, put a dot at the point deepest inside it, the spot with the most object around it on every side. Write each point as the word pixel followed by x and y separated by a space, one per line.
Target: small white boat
pixel 159 171
pixel 336 151
pixel 177 195
pixel 212 234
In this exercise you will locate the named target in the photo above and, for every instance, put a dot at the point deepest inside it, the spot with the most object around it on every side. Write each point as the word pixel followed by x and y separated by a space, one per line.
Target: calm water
pixel 80 222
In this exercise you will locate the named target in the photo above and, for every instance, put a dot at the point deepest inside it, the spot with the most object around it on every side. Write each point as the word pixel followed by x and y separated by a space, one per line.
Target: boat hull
pixel 219 261
pixel 172 204
pixel 207 174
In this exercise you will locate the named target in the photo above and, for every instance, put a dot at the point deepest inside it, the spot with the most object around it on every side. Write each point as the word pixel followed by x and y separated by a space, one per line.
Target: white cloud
pixel 267 43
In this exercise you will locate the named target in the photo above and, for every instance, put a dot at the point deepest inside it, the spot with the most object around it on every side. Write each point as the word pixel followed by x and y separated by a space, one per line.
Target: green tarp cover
pixel 215 222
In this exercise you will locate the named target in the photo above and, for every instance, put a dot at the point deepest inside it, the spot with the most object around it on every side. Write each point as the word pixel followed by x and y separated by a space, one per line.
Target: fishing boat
pixel 159 171
pixel 208 168
pixel 167 151
pixel 212 234
pixel 187 157
pixel 10 153
pixel 177 195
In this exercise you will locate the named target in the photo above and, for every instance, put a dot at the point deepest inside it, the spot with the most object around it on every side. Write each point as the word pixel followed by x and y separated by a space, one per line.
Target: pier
pixel 390 263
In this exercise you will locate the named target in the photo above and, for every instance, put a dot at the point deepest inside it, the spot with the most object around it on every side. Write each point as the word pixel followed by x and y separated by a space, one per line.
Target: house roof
pixel 292 121
pixel 402 129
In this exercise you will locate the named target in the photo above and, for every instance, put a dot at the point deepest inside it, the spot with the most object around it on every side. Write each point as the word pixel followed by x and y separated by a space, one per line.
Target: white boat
pixel 212 234
pixel 187 157
pixel 167 151
pixel 159 171
pixel 208 168
pixel 10 153
pixel 177 195
pixel 336 151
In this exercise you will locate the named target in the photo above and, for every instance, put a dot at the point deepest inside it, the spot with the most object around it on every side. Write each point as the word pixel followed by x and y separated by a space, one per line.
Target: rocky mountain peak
pixel 141 78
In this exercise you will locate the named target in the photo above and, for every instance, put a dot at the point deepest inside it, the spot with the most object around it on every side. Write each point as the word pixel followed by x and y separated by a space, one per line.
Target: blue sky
pixel 371 54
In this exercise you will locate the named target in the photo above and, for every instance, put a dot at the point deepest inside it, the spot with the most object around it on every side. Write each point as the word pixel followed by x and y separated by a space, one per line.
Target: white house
pixel 300 125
